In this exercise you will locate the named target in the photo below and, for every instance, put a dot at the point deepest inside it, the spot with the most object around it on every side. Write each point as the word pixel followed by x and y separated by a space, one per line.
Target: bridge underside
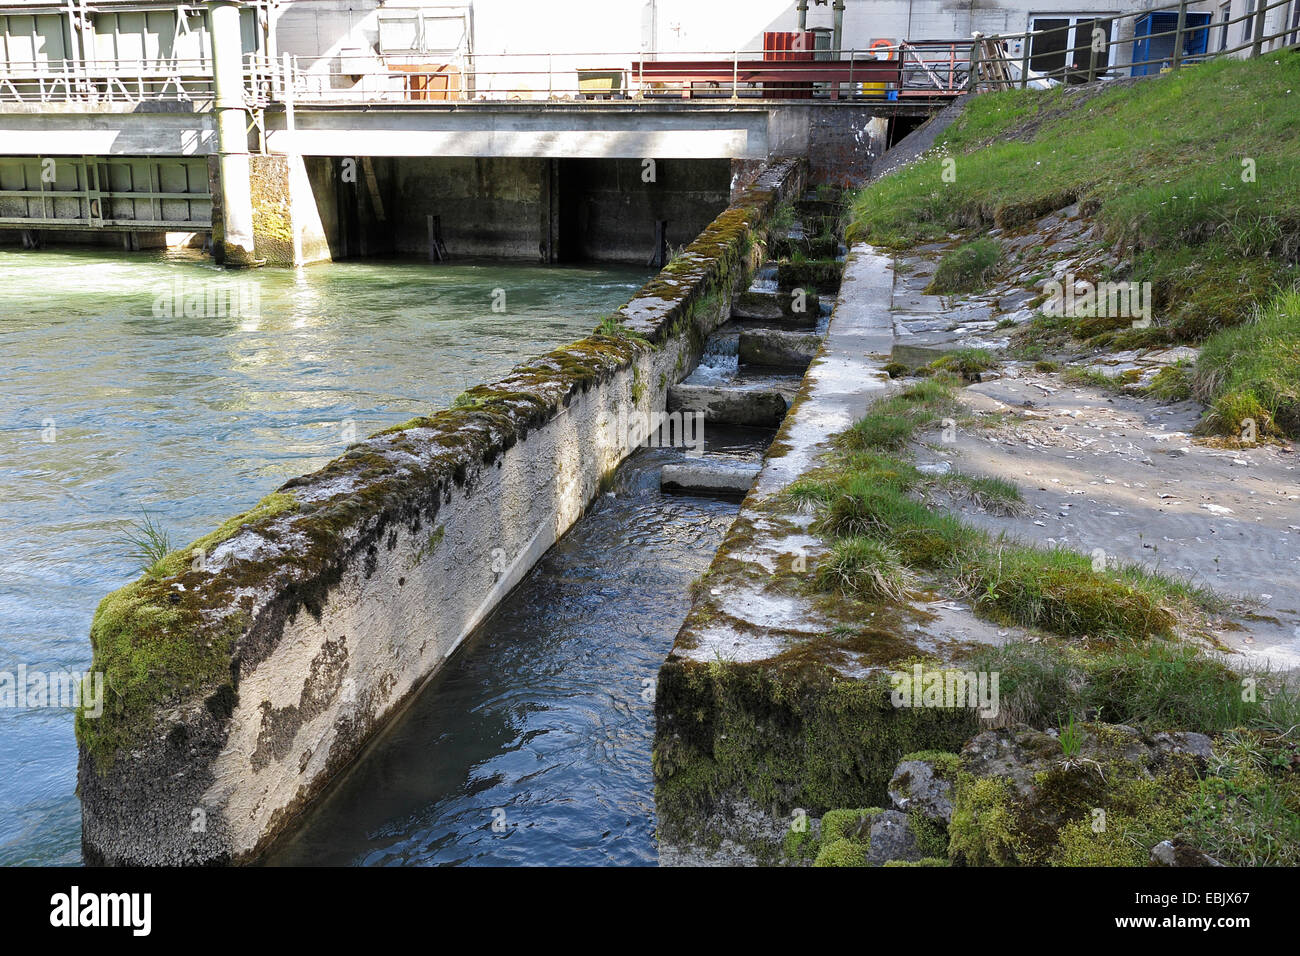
pixel 146 168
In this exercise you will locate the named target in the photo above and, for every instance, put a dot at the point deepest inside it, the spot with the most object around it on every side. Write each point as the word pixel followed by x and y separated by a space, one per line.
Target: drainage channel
pixel 532 745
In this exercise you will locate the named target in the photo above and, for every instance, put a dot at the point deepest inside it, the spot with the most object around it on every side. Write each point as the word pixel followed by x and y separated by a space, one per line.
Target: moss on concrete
pixel 175 637
pixel 781 737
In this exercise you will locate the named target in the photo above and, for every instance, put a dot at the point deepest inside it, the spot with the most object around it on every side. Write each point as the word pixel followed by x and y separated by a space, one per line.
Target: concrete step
pixel 777 348
pixel 729 405
pixel 710 476
pixel 776 307
pixel 820 275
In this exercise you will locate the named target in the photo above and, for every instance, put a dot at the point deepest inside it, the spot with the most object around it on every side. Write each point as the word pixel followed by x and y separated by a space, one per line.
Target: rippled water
pixel 532 745
pixel 106 407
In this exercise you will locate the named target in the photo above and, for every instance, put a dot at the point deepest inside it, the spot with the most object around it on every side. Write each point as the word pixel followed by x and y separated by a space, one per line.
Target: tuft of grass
pixel 1058 591
pixel 146 542
pixel 892 422
pixel 1071 738
pixel 966 362
pixel 866 567
pixel 968 268
pixel 1251 373
pixel 994 495
pixel 1090 377
pixel 1172 383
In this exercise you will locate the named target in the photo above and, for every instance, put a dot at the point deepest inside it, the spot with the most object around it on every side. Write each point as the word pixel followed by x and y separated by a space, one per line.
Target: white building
pixel 530 48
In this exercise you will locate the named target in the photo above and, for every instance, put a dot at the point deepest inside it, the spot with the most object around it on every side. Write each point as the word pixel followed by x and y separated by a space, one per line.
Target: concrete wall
pixel 71 129
pixel 488 207
pixel 608 210
pixel 536 209
pixel 284 642
pixel 841 142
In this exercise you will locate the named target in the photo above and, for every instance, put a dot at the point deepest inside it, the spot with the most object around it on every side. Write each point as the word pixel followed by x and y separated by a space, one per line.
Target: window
pixel 1070 46
pixel 420 31
pixel 1248 25
pixel 1225 14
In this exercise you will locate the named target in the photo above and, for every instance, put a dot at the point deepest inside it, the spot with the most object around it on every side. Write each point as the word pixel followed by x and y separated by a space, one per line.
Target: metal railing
pixel 922 69
pixel 1008 60
pixel 916 70
pixel 105 81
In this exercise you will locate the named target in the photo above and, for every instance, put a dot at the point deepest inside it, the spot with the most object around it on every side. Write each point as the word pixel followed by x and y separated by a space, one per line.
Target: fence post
pixel 975 52
pixel 1024 62
pixel 1257 47
pixel 1178 34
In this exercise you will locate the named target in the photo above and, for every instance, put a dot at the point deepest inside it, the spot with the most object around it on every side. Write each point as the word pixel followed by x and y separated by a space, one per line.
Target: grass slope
pixel 1194 177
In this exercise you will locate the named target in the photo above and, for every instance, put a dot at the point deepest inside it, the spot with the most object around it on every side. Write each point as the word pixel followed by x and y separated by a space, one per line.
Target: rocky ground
pixel 1106 469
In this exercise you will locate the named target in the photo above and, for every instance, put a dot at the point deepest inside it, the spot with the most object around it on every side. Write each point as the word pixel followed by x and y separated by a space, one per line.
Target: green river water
pixel 126 386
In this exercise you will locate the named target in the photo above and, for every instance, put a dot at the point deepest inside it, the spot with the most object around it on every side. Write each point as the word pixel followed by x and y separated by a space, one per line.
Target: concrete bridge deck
pixel 597 130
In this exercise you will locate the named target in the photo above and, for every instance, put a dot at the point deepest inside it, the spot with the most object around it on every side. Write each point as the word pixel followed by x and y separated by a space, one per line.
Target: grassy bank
pixel 1104 647
pixel 1194 179
pixel 871 505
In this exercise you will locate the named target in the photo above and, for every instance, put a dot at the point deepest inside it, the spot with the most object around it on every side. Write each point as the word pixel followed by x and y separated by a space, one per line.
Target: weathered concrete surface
pixel 776 307
pixel 1111 472
pixel 718 476
pixel 287 227
pixel 252 669
pixel 108 129
pixel 765 702
pixel 774 348
pixel 729 405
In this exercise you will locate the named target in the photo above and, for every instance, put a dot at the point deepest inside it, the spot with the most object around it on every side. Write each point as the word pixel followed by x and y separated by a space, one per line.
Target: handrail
pixel 995 59
pixel 905 70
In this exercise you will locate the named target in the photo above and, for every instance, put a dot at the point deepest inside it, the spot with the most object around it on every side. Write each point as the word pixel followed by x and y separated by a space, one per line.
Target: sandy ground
pixel 1123 474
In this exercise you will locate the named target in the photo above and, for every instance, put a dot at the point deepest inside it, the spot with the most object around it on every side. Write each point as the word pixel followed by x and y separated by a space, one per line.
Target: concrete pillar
pixel 236 228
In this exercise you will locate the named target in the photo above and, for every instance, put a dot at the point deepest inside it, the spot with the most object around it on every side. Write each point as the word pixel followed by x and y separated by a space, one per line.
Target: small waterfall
pixel 720 361
pixel 764 279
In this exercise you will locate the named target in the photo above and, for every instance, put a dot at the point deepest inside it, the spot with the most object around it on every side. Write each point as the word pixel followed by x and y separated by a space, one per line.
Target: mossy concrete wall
pixel 284 203
pixel 771 700
pixel 247 670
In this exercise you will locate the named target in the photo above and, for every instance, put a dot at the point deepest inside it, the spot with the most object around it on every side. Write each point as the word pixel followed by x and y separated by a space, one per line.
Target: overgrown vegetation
pixel 1251 373
pixel 968 268
pixel 1156 686
pixel 869 503
pixel 1108 656
pixel 1209 214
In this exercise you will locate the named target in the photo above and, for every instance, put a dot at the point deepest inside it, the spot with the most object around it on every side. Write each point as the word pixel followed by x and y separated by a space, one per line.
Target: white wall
pixel 565 34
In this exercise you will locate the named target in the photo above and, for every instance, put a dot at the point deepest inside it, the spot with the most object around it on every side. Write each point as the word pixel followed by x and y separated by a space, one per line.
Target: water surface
pixel 108 406
pixel 532 745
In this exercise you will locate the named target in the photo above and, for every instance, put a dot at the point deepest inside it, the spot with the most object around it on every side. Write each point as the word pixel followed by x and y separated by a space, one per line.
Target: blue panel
pixel 1196 40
